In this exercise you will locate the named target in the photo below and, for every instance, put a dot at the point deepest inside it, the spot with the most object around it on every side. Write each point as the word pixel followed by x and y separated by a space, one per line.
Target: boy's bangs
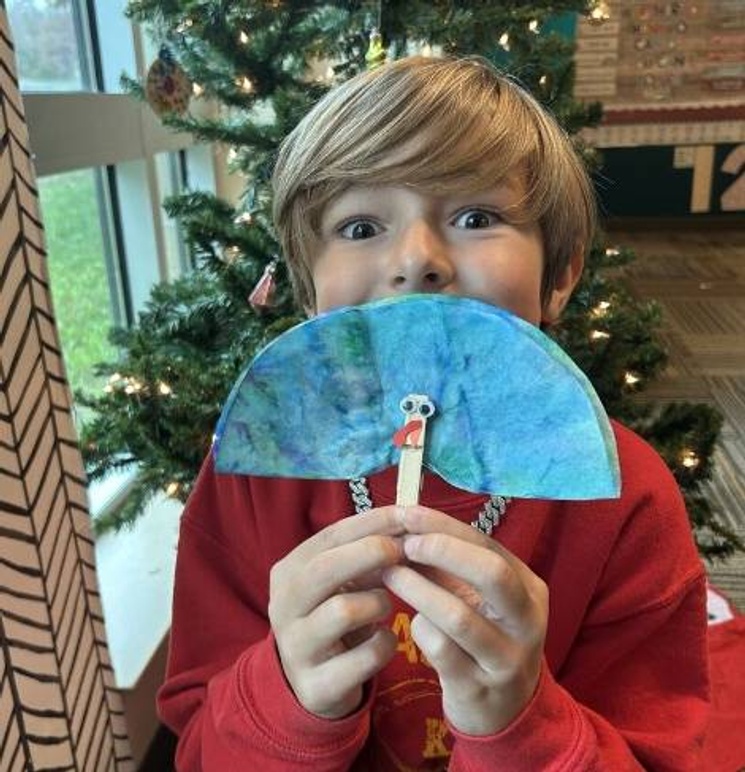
pixel 452 157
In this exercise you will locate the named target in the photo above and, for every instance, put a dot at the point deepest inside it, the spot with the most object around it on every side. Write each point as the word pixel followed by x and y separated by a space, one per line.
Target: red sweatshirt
pixel 624 683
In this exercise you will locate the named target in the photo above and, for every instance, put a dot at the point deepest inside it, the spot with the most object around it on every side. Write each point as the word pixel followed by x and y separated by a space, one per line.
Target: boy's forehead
pixel 509 193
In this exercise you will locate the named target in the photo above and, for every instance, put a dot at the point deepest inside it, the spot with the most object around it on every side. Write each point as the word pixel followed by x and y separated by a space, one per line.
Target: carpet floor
pixel 698 276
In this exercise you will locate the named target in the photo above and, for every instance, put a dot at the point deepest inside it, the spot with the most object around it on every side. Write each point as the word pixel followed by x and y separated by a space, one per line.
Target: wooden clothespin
pixel 410 438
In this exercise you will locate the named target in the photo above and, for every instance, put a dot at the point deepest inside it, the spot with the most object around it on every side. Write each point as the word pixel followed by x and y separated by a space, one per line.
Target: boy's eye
pixel 359 229
pixel 472 219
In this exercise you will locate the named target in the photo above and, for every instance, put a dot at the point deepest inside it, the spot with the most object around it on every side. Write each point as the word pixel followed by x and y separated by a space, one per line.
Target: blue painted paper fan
pixel 514 415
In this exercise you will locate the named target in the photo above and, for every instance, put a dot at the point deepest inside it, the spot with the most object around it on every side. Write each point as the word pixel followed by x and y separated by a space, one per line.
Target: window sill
pixel 135 577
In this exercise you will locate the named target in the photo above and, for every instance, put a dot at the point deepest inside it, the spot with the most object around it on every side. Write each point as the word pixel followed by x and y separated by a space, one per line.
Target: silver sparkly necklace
pixel 489 517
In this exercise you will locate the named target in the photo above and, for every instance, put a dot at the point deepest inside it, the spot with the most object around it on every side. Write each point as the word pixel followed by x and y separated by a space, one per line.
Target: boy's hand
pixel 325 600
pixel 482 618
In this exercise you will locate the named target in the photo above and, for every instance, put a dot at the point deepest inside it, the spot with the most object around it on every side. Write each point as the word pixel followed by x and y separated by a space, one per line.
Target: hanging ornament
pixel 262 295
pixel 376 52
pixel 168 88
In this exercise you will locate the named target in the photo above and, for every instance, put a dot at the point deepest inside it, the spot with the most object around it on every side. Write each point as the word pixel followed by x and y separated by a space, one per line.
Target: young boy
pixel 306 638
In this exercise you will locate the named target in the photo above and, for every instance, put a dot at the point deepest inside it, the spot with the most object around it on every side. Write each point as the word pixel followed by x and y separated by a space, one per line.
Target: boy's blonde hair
pixel 444 126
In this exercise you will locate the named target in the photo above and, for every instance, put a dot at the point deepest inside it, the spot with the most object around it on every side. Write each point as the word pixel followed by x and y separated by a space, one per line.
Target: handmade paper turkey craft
pixel 508 411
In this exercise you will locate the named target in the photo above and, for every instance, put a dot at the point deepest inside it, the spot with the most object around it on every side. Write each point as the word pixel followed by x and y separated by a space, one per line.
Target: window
pixel 84 275
pixel 172 174
pixel 104 164
pixel 50 41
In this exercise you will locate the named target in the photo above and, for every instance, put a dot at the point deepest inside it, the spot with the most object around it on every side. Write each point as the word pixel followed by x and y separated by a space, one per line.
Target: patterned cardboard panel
pixel 58 709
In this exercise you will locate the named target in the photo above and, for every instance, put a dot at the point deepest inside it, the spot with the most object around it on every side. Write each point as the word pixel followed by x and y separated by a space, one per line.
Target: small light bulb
pixel 599 13
pixel 244 218
pixel 243 37
pixel 197 89
pixel 172 489
pixel 244 84
pixel 631 379
pixel 689 459
pixel 543 80
pixel 133 385
pixel 504 41
pixel 599 335
pixel 164 389
pixel 612 252
pixel 533 26
pixel 601 309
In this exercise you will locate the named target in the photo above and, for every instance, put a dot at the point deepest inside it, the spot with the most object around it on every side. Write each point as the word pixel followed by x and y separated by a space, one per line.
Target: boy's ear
pixel 564 287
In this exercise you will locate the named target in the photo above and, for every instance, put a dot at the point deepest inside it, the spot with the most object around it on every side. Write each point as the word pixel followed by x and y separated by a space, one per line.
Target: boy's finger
pixel 350 617
pixel 483 641
pixel 300 584
pixel 419 519
pixel 504 587
pixel 382 520
pixel 350 669
pixel 344 565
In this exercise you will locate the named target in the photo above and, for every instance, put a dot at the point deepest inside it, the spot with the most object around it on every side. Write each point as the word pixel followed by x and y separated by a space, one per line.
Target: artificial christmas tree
pixel 258 66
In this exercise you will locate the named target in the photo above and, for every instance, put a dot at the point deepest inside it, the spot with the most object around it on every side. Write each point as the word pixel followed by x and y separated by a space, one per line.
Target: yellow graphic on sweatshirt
pixel 401 628
pixel 434 745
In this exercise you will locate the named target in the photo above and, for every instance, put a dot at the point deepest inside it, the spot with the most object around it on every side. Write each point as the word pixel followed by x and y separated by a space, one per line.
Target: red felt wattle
pixel 413 427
